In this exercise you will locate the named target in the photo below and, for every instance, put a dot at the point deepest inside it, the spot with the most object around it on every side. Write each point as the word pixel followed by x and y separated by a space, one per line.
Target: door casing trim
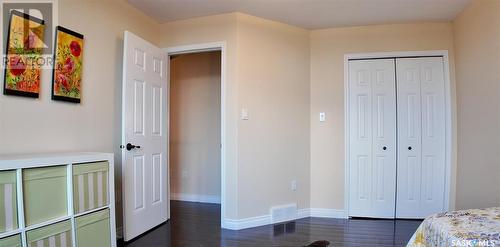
pixel 195 48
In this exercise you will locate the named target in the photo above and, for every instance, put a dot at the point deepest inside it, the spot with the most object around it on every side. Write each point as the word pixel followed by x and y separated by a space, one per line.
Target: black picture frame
pixel 7 91
pixel 58 97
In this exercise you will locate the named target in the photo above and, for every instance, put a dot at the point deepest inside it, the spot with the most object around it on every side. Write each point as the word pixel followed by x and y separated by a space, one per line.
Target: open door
pixel 144 137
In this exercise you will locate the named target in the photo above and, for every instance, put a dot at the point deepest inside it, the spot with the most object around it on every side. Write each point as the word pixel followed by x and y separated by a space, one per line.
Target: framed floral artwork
pixel 23 52
pixel 67 72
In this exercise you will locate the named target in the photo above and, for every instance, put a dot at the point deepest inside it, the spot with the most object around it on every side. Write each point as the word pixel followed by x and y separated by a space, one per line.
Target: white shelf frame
pixel 20 162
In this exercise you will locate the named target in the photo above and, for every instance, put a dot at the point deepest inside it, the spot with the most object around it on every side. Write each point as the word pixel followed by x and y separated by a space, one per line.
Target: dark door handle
pixel 409 148
pixel 130 146
pixel 384 148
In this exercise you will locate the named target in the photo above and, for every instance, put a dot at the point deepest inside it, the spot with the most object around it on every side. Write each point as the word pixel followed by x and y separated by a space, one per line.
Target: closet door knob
pixel 384 148
pixel 409 148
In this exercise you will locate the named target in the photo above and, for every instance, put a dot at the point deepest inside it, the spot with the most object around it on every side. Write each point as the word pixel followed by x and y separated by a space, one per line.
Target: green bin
pixel 8 201
pixel 55 235
pixel 45 194
pixel 90 186
pixel 12 241
pixel 93 230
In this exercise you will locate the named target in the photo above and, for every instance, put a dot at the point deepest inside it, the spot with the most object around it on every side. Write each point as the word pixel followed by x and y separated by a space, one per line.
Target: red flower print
pixel 61 79
pixel 16 65
pixel 75 48
pixel 69 65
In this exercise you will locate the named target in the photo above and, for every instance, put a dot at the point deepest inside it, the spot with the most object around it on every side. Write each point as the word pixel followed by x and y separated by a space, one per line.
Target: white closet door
pixel 421 137
pixel 372 151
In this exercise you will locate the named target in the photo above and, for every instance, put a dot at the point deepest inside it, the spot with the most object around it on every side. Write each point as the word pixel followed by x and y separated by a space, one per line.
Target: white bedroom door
pixel 144 139
pixel 372 138
pixel 421 137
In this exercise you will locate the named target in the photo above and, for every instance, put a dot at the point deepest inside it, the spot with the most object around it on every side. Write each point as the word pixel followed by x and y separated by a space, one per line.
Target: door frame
pixel 196 48
pixel 450 140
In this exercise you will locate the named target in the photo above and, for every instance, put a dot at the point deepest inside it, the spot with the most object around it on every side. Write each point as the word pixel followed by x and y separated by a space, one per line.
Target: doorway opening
pixel 195 125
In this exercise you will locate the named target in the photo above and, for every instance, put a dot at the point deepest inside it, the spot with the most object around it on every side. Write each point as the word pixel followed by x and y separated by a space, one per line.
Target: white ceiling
pixel 310 14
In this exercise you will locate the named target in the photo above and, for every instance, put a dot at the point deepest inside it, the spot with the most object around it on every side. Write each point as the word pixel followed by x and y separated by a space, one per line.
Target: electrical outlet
pixel 293 185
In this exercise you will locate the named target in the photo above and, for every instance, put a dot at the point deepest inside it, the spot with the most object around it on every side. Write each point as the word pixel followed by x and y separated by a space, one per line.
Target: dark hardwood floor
pixel 198 224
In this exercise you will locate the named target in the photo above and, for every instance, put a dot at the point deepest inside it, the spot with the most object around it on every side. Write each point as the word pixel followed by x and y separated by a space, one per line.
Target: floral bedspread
pixel 473 227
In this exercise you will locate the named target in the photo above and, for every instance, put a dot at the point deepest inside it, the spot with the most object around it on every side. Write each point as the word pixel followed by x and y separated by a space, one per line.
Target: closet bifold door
pixel 372 138
pixel 421 137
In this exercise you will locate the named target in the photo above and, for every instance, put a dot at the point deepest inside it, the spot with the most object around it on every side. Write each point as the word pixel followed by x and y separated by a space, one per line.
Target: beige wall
pixel 266 61
pixel 195 124
pixel 477 45
pixel 328 48
pixel 207 30
pixel 267 72
pixel 273 145
pixel 43 125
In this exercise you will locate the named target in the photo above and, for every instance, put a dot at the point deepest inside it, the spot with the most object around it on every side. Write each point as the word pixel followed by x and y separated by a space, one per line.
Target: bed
pixel 472 227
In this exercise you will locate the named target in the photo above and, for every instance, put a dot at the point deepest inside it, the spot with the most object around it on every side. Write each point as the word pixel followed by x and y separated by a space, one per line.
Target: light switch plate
pixel 244 114
pixel 293 185
pixel 322 117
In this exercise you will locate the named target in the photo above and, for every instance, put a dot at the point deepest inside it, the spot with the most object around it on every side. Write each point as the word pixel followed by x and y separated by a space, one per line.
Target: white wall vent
pixel 284 213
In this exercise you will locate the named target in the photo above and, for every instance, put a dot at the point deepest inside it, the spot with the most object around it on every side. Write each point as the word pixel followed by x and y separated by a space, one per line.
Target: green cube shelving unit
pixel 8 201
pixel 57 200
pixel 12 241
pixel 92 229
pixel 58 234
pixel 45 194
pixel 90 188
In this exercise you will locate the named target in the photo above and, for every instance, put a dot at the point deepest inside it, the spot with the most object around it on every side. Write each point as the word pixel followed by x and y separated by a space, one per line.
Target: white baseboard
pixel 303 213
pixel 247 222
pixel 240 224
pixel 262 220
pixel 327 213
pixel 194 198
